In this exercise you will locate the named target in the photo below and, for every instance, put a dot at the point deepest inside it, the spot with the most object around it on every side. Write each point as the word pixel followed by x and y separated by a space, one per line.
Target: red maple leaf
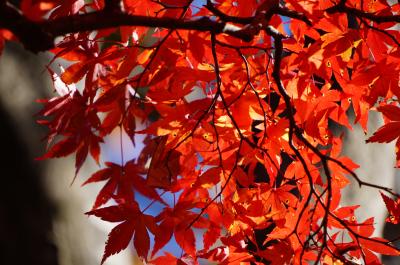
pixel 391 130
pixel 133 223
pixel 393 207
pixel 121 180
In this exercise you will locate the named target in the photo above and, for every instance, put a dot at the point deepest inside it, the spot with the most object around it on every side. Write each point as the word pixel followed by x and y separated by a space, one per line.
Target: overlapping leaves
pixel 241 149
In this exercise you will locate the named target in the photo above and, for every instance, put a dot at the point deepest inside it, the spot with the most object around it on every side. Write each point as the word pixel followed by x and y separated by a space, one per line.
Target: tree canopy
pixel 237 99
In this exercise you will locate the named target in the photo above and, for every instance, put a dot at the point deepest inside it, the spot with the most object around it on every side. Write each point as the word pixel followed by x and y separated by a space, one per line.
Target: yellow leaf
pixel 254 114
pixel 205 67
pixel 209 67
pixel 346 55
pixel 144 56
pixel 317 58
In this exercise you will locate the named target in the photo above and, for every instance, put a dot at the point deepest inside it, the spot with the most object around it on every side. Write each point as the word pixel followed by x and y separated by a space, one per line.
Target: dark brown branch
pixel 40 36
pixel 342 8
pixel 227 18
pixel 283 11
pixel 387 34
pixel 293 14
pixel 32 35
pixel 102 20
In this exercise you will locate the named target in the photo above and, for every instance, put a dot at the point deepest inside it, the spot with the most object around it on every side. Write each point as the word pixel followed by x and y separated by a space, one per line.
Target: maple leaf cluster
pixel 236 99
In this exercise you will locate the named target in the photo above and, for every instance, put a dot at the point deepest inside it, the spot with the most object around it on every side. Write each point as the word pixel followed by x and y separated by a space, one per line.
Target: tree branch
pixel 31 35
pixel 342 8
pixel 40 36
pixel 225 17
pixel 293 14
pixel 101 20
